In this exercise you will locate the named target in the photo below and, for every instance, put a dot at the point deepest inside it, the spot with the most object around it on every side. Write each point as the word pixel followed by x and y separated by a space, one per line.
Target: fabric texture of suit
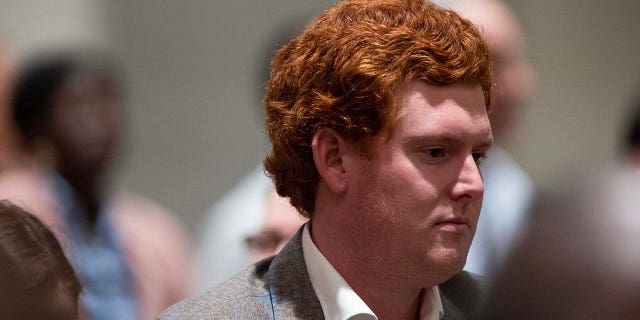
pixel 279 288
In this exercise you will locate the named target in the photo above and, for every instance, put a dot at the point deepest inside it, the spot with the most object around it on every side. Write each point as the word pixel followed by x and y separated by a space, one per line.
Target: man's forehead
pixel 421 127
pixel 442 110
pixel 412 93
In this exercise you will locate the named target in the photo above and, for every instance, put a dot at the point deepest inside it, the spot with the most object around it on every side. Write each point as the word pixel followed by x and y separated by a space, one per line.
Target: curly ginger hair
pixel 341 72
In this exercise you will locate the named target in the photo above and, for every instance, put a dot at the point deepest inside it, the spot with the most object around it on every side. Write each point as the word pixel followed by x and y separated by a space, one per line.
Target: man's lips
pixel 455 224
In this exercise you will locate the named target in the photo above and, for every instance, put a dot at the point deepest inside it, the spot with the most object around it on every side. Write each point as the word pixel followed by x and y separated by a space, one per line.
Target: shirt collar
pixel 337 298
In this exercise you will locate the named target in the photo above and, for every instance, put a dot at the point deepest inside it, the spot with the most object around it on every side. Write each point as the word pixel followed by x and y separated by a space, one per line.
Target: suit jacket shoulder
pixel 275 288
pixel 245 295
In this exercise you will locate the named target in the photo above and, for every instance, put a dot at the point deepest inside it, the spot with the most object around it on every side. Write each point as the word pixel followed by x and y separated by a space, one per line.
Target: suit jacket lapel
pixel 451 311
pixel 462 296
pixel 292 295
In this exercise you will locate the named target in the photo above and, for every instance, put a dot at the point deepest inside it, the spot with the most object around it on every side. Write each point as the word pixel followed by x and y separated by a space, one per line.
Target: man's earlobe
pixel 328 151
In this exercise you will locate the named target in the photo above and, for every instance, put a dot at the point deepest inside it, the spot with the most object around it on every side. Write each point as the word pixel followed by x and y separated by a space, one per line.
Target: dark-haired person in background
pixel 631 139
pixel 9 154
pixel 36 279
pixel 129 255
pixel 377 114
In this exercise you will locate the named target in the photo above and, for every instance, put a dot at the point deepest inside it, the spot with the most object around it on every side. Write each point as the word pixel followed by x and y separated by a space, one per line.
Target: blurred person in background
pixel 248 224
pixel 579 258
pixel 280 223
pixel 8 142
pixel 36 279
pixel 128 253
pixel 233 231
pixel 631 139
pixel 509 192
pixel 235 217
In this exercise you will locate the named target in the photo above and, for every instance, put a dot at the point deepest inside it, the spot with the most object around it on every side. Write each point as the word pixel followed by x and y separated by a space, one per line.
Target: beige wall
pixel 196 125
pixel 586 56
pixel 30 25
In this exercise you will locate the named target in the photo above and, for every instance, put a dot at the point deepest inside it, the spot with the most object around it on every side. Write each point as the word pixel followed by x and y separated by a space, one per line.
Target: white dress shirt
pixel 339 301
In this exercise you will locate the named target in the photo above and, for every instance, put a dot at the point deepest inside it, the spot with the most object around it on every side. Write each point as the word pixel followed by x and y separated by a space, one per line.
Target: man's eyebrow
pixel 445 139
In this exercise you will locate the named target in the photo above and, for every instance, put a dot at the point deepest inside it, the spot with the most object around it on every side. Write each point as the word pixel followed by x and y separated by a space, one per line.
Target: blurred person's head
pixel 342 73
pixel 579 258
pixel 281 221
pixel 67 107
pixel 513 73
pixel 7 130
pixel 36 279
pixel 631 143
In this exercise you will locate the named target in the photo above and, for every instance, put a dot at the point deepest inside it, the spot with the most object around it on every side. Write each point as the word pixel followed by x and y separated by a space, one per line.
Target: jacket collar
pixel 292 295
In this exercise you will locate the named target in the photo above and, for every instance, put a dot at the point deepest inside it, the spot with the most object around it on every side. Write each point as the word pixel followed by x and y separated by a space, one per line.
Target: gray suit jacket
pixel 279 288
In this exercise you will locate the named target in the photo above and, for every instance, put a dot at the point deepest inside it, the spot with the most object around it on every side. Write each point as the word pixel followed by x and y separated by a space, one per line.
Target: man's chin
pixel 450 260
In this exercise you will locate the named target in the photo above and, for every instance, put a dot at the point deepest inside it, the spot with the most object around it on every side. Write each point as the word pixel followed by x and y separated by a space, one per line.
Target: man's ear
pixel 329 149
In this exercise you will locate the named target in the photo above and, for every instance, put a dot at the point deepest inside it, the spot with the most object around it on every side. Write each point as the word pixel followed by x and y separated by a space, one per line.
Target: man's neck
pixel 387 294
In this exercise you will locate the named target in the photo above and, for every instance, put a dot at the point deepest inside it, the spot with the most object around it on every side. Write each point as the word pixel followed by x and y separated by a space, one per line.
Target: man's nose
pixel 469 182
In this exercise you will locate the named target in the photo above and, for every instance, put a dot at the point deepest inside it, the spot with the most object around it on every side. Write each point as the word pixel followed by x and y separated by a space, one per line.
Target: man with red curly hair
pixel 378 118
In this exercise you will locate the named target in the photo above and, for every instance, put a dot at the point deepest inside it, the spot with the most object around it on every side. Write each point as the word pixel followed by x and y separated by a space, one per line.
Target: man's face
pixel 418 197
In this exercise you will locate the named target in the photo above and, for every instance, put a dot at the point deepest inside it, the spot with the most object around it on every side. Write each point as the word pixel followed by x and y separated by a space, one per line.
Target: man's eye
pixel 436 153
pixel 479 156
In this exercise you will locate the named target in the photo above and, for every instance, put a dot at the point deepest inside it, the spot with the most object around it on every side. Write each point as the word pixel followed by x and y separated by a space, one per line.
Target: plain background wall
pixel 193 68
pixel 586 56
pixel 30 25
